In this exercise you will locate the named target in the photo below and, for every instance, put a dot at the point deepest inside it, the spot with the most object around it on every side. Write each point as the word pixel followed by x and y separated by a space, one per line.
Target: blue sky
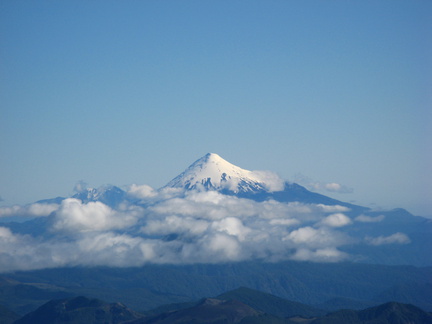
pixel 122 92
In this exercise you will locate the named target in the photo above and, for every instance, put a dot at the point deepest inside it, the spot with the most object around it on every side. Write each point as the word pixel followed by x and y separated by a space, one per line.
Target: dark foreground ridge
pixel 241 306
pixel 328 286
pixel 79 310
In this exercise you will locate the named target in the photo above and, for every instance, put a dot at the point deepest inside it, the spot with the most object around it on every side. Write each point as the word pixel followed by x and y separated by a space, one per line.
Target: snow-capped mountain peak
pixel 212 172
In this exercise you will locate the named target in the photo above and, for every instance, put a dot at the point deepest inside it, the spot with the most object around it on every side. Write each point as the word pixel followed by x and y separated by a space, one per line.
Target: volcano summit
pixel 212 172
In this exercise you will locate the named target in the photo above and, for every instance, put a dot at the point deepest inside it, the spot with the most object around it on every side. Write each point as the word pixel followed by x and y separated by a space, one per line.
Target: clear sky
pixel 122 92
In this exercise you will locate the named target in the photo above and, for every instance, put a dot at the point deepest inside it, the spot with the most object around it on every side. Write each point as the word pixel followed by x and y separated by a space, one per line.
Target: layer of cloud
pixel 319 255
pixel 145 193
pixel 396 238
pixel 32 210
pixel 369 219
pixel 177 227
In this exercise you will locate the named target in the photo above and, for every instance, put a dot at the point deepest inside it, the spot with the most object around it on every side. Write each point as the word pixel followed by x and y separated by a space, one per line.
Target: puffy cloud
pixel 206 205
pixel 222 247
pixel 32 210
pixel 396 238
pixel 284 221
pixel 316 238
pixel 174 226
pixel 6 234
pixel 336 220
pixel 23 252
pixel 232 226
pixel 333 208
pixel 272 180
pixel 141 191
pixel 111 249
pixel 146 193
pixel 12 211
pixel 92 249
pixel 336 187
pixel 74 216
pixel 369 219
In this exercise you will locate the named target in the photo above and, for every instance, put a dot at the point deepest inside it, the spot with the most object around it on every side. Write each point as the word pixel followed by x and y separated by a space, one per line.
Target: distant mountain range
pixel 302 218
pixel 211 229
pixel 213 173
pixel 243 305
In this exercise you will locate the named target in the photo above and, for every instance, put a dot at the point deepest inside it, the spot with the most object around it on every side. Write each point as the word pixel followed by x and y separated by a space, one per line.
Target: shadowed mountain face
pixel 389 313
pixel 25 297
pixel 329 285
pixel 7 316
pixel 271 304
pixel 209 310
pixel 255 307
pixel 79 310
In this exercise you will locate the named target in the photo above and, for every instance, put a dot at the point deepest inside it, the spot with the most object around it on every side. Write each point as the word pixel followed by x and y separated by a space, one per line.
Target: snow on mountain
pixel 212 172
pixel 109 195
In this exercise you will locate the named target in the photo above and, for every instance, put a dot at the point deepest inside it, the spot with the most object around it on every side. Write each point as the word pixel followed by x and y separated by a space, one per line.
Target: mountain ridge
pixel 239 306
pixel 213 173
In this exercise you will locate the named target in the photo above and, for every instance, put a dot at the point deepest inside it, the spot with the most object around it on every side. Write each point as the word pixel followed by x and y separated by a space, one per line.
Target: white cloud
pixel 336 187
pixel 141 191
pixel 180 227
pixel 32 210
pixel 316 238
pixel 272 180
pixel 74 216
pixel 232 226
pixel 369 219
pixel 336 220
pixel 222 247
pixel 175 224
pixel 284 222
pixel 396 238
pixel 12 211
pixel 333 208
pixel 6 234
pixel 147 194
pixel 209 205
pixel 320 255
pixel 112 249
